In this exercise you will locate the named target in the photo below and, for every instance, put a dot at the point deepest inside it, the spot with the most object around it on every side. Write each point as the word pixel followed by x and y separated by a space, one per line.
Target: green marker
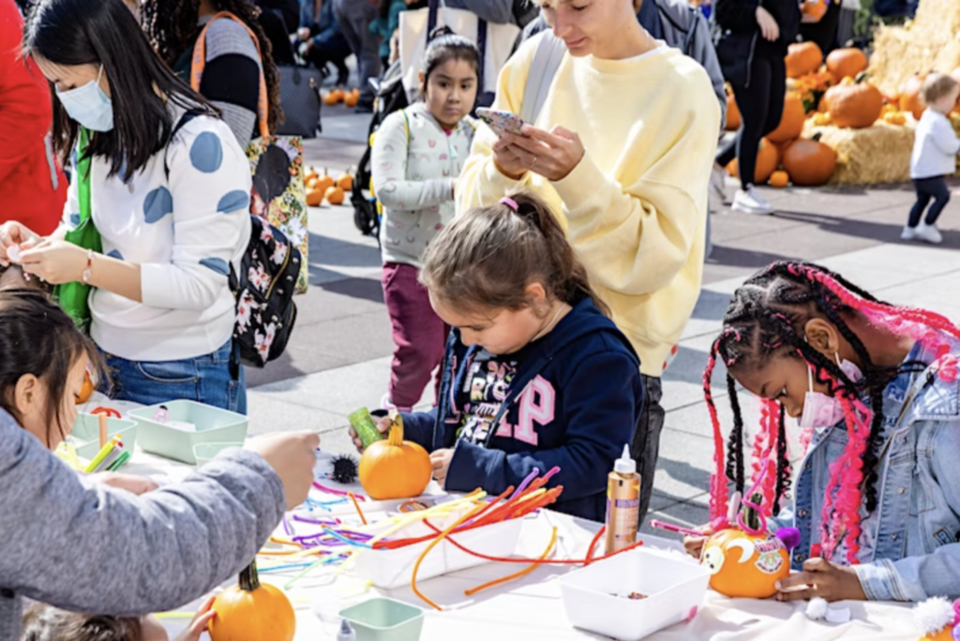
pixel 120 462
pixel 366 428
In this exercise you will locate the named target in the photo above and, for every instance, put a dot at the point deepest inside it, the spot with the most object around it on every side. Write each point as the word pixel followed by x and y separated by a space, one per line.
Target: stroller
pixel 390 97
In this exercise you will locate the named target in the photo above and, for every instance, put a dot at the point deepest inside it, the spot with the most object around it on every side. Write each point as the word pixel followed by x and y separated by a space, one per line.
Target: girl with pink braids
pixel 876 392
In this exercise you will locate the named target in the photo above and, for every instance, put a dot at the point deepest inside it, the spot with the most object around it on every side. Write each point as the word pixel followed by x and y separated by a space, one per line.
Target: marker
pixel 103 429
pixel 102 454
pixel 120 462
pixel 110 459
pixel 676 529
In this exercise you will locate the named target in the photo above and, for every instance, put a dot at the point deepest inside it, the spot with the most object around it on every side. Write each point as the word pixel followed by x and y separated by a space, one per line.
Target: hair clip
pixel 511 203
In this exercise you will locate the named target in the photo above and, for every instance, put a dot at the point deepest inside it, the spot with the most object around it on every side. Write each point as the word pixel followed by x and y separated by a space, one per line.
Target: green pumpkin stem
pixel 817 136
pixel 861 77
pixel 750 516
pixel 396 429
pixel 250 578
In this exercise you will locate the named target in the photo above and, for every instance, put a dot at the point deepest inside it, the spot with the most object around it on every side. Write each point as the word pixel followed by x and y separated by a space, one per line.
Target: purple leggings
pixel 419 334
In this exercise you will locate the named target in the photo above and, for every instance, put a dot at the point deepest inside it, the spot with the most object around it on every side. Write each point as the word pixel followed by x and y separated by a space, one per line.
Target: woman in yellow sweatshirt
pixel 623 147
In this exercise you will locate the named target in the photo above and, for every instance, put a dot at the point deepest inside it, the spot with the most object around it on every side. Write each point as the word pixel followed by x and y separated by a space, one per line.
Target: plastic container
pixel 206 452
pixel 383 619
pixel 211 425
pixel 86 434
pixel 595 598
pixel 390 569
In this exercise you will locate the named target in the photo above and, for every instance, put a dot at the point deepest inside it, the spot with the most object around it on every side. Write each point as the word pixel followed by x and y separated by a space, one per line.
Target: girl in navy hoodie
pixel 535 374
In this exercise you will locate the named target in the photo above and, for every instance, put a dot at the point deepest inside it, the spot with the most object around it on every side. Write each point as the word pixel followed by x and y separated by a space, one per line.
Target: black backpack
pixel 264 288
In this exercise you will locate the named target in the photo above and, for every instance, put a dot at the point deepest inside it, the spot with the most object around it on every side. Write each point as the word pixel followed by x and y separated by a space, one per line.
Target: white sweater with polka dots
pixel 183 231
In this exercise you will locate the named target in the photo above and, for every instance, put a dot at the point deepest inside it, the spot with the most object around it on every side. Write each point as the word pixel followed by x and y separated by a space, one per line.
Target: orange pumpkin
pixel 86 391
pixel 856 105
pixel 810 163
pixel 324 182
pixel 895 118
pixel 394 468
pixel 779 179
pixel 733 113
pixel 334 196
pixel 813 10
pixel 945 634
pixel 744 565
pixel 821 120
pixel 351 99
pixel 911 95
pixel 791 122
pixel 315 198
pixel 252 611
pixel 311 175
pixel 846 63
pixel 334 97
pixel 345 182
pixel 767 159
pixel 803 58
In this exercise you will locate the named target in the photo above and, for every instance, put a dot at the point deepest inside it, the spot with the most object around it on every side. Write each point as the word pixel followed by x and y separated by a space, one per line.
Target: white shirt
pixel 183 232
pixel 935 147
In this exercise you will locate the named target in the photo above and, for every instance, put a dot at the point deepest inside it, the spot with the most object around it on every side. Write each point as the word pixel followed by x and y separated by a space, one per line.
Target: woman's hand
pixel 13 233
pixel 694 544
pixel 55 261
pixel 552 154
pixel 199 623
pixel 508 160
pixel 441 464
pixel 383 426
pixel 133 484
pixel 768 25
pixel 823 579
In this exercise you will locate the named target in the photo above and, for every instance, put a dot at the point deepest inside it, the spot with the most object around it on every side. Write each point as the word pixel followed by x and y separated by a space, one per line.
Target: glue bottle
pixel 623 503
pixel 346 632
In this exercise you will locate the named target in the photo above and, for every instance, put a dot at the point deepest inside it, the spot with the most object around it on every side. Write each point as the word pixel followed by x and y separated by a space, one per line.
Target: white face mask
pixel 89 105
pixel 820 410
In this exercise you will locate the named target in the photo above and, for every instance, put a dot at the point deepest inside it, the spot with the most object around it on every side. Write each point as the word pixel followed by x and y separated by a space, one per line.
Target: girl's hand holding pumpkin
pixel 694 544
pixel 383 426
pixel 55 261
pixel 441 464
pixel 552 154
pixel 823 579
pixel 13 233
pixel 292 456
pixel 199 623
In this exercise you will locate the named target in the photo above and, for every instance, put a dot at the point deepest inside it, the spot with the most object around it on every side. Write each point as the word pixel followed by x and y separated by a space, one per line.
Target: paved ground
pixel 338 359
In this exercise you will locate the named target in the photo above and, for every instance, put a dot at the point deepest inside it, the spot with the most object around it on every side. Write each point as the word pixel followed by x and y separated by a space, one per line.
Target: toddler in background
pixel 934 157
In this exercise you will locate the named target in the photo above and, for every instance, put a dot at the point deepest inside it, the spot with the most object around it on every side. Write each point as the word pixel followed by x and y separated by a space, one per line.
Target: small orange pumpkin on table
pixel 803 58
pixel 395 468
pixel 252 611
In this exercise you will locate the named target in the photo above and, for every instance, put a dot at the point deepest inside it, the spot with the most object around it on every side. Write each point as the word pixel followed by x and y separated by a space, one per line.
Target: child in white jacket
pixel 417 157
pixel 934 157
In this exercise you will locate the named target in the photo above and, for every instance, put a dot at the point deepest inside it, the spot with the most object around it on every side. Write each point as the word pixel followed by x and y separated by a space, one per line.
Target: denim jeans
pixel 205 379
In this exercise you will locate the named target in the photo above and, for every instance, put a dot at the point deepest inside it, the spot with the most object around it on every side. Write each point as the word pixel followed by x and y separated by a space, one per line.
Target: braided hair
pixel 172 25
pixel 765 320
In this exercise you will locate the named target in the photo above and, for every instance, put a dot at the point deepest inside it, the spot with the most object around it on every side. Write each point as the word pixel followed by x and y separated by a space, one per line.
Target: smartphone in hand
pixel 501 121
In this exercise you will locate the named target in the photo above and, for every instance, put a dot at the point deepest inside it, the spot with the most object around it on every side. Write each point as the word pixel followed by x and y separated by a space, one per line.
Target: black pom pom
pixel 345 470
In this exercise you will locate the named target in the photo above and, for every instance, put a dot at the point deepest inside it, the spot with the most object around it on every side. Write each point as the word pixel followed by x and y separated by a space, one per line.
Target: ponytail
pixel 486 258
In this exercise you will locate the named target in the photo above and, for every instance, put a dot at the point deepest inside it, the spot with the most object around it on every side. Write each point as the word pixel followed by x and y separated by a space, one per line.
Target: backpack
pixel 546 62
pixel 264 288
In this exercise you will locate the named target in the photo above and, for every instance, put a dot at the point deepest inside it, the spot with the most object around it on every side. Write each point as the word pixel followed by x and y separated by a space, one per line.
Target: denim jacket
pixel 909 548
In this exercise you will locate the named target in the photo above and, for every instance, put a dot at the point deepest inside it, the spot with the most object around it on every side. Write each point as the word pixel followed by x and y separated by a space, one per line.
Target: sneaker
pixel 717 183
pixel 928 234
pixel 751 202
pixel 908 233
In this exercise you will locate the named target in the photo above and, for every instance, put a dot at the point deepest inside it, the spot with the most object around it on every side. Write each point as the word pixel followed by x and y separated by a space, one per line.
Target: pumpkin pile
pixel 322 188
pixel 338 95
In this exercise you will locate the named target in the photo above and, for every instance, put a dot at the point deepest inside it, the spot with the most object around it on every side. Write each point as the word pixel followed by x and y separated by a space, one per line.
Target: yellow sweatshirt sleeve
pixel 635 238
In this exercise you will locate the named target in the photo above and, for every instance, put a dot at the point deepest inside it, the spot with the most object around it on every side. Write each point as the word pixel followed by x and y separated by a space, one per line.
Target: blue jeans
pixel 205 379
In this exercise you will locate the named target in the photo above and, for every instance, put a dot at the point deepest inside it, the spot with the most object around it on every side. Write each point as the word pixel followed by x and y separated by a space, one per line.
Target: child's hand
pixel 441 464
pixel 823 579
pixel 134 484
pixel 694 544
pixel 383 426
pixel 199 624
pixel 292 456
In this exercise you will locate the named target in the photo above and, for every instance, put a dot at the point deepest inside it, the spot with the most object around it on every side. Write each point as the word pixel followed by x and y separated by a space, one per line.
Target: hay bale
pixel 872 156
pixel 929 43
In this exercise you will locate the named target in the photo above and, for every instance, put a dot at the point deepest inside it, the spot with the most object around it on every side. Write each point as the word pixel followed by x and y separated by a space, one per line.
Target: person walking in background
pixel 935 150
pixel 355 18
pixel 417 158
pixel 321 41
pixel 751 51
pixel 31 179
pixel 231 77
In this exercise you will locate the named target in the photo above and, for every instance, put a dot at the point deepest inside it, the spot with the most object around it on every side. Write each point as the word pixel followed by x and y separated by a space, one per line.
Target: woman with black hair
pixel 234 60
pixel 169 193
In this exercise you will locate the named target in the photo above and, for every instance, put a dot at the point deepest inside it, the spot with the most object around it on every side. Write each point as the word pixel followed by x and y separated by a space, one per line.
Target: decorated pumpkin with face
pixel 744 565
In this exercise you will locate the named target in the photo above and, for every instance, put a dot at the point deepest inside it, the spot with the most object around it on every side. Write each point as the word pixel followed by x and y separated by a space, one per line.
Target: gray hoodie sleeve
pixel 89 548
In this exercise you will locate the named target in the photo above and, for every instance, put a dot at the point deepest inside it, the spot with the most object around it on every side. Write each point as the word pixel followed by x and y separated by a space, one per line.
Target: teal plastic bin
pixel 383 619
pixel 86 434
pixel 206 452
pixel 209 425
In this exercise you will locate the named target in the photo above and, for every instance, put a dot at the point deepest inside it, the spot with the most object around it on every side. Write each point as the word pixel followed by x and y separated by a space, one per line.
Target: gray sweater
pixel 88 548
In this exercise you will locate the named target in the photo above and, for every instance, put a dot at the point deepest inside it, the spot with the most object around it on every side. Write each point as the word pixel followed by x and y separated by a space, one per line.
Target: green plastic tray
pixel 383 619
pixel 213 425
pixel 86 434
pixel 206 452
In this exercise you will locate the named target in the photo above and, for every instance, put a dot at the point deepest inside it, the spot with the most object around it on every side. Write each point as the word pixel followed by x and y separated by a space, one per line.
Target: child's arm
pixel 83 547
pixel 418 427
pixel 917 578
pixel 389 164
pixel 602 398
pixel 946 138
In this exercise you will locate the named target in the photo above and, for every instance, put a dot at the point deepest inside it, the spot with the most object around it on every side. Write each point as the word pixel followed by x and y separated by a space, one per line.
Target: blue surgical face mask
pixel 89 105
